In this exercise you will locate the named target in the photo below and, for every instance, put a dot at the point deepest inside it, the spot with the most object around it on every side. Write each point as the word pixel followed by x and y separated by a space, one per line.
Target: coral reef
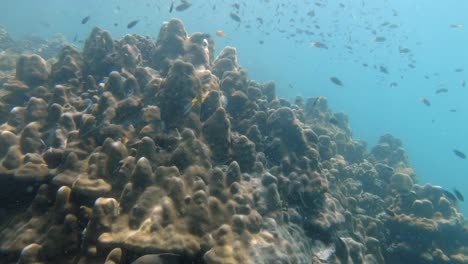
pixel 154 151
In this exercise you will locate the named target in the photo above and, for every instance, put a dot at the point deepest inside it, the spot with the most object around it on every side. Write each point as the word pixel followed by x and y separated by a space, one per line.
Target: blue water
pixel 429 134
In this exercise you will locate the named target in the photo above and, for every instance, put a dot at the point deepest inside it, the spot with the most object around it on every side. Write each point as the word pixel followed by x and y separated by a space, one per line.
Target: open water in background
pixel 429 134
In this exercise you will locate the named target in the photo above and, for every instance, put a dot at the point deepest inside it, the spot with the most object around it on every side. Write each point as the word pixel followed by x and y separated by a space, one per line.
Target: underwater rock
pixel 68 65
pixel 138 151
pixel 401 182
pixel 169 45
pixel 5 39
pixel 217 133
pixel 99 54
pixel 225 62
pixel 180 96
pixel 32 69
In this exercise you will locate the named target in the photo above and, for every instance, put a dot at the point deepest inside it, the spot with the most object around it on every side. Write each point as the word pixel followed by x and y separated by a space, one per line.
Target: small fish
pixel 132 23
pixel 463 83
pixel 459 154
pixel 220 33
pixel 458 70
pixel 389 212
pixel 235 17
pixel 75 38
pixel 318 98
pixel 261 42
pixel 393 84
pixel 458 195
pixel 171 7
pixel 85 20
pixel 189 105
pixel 453 110
pixel 183 6
pixel 336 81
pixel 450 196
pixel 441 90
pixel 404 50
pixel 457 25
pixel 383 69
pixel 319 45
pixel 425 101
pixel 379 39
pixel 178 135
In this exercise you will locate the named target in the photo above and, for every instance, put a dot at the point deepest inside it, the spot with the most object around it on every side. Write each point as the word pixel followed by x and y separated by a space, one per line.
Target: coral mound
pixel 155 151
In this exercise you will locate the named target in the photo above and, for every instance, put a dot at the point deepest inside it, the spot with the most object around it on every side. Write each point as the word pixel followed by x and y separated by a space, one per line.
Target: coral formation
pixel 154 151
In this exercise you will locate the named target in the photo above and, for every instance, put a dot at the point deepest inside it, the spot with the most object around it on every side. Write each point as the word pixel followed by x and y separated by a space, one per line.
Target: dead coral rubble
pixel 143 151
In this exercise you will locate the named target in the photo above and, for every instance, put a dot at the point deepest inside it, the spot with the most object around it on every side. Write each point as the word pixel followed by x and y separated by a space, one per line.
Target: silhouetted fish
pixel 319 45
pixel 171 7
pixel 450 196
pixel 383 69
pixel 183 6
pixel 458 195
pixel 85 20
pixel 459 154
pixel 379 39
pixel 132 23
pixel 441 90
pixel 336 81
pixel 404 50
pixel 235 17
pixel 425 101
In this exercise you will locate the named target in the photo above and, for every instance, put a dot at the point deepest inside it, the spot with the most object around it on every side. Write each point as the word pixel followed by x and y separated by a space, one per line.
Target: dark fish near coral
pixel 85 20
pixel 235 17
pixel 459 154
pixel 389 212
pixel 425 101
pixel 458 194
pixel 450 196
pixel 132 23
pixel 336 81
pixel 183 6
pixel 318 98
pixel 189 105
pixel 441 90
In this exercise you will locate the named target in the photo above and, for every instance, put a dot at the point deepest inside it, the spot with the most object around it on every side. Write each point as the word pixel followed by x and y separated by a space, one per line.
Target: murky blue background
pixel 429 134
